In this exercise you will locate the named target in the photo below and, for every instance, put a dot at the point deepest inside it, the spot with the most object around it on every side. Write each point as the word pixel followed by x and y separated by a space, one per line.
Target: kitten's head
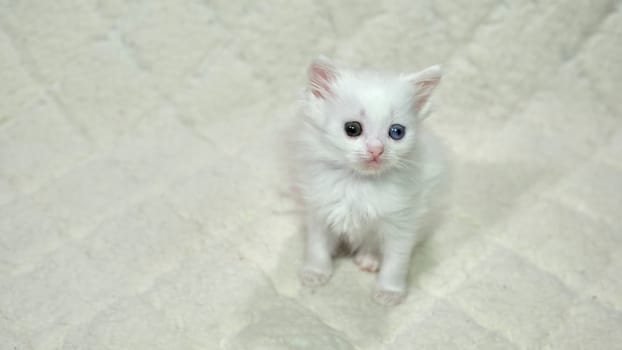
pixel 365 121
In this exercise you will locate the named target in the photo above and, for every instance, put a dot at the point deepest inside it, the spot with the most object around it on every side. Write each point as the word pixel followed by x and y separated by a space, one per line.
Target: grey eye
pixel 397 131
pixel 353 129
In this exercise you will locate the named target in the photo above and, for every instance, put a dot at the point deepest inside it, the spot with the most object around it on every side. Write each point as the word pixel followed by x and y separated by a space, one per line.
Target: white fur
pixel 376 211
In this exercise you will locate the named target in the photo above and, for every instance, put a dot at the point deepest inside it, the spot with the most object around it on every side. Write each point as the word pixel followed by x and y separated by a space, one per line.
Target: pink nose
pixel 375 150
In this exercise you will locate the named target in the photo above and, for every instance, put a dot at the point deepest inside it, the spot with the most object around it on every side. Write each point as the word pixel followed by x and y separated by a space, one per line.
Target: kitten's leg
pixel 318 263
pixel 396 250
pixel 367 257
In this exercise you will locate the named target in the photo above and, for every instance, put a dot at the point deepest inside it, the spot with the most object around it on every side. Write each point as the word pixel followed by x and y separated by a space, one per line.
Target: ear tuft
pixel 321 73
pixel 425 82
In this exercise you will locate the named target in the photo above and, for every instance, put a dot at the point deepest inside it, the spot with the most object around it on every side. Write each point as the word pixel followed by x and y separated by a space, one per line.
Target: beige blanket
pixel 144 203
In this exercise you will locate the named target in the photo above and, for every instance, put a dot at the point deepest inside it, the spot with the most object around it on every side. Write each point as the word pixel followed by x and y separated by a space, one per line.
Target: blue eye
pixel 397 131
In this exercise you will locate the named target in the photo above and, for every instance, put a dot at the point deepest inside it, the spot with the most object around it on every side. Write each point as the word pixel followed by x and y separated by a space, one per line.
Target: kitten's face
pixel 367 122
pixel 369 138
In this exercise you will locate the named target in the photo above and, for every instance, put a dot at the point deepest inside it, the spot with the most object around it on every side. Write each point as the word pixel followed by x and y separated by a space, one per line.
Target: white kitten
pixel 367 171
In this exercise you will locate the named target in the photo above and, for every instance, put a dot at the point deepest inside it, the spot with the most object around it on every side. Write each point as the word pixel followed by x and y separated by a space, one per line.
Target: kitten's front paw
pixel 389 297
pixel 367 262
pixel 313 278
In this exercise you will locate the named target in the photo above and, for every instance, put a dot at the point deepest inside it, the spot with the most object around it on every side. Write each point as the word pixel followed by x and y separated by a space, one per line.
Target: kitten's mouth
pixel 373 163
pixel 371 166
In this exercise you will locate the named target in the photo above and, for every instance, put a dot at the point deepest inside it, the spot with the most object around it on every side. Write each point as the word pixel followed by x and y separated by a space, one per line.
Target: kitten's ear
pixel 425 82
pixel 321 73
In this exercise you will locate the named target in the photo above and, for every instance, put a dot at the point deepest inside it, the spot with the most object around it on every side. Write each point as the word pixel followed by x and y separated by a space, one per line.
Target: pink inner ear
pixel 424 90
pixel 428 83
pixel 425 82
pixel 320 76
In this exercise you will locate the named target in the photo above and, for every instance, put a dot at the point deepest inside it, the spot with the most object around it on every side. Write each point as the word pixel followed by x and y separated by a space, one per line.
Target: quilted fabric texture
pixel 145 204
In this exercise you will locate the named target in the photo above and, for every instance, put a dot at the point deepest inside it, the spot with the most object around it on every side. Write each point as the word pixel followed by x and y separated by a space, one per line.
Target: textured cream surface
pixel 144 203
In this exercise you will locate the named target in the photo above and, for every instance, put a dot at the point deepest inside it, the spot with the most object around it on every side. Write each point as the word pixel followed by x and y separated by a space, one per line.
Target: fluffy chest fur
pixel 353 206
